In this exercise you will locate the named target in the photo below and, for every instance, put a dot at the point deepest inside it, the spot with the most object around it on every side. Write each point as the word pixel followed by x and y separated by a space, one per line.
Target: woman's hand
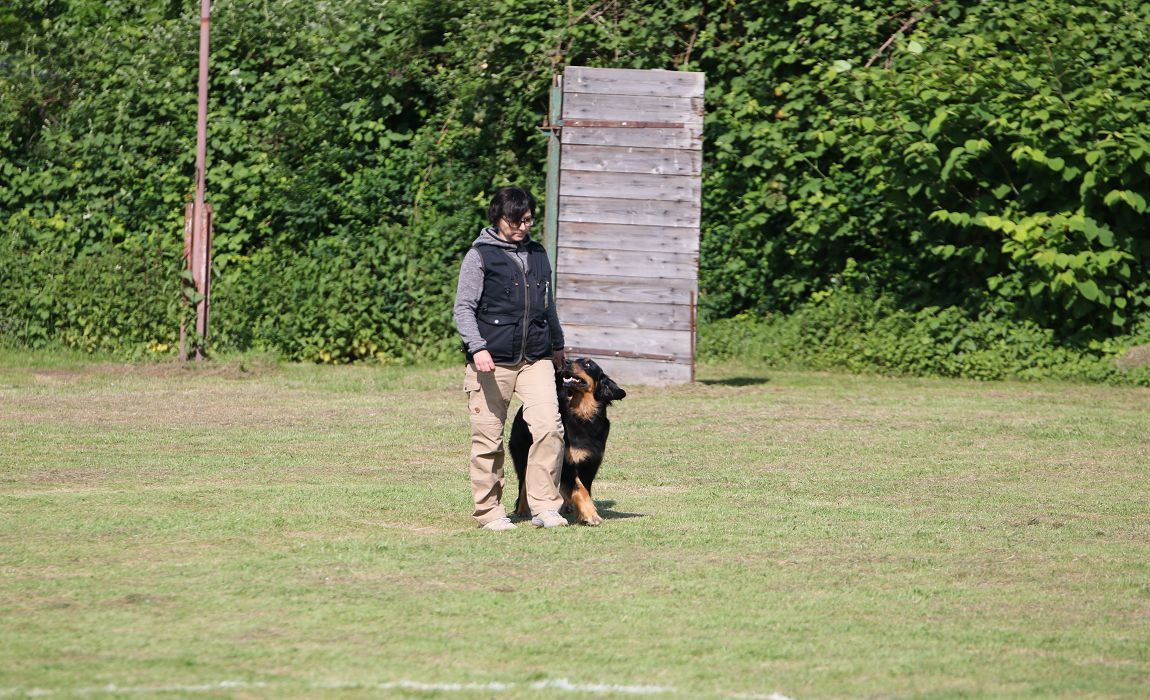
pixel 559 358
pixel 483 361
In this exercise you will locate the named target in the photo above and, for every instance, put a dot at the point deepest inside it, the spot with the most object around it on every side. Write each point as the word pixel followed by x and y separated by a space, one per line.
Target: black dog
pixel 585 391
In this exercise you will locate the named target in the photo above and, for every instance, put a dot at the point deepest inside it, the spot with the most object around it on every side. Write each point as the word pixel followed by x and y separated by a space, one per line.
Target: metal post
pixel 551 215
pixel 200 254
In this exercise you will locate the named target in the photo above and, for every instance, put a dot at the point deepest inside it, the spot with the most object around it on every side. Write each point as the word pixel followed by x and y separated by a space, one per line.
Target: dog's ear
pixel 607 390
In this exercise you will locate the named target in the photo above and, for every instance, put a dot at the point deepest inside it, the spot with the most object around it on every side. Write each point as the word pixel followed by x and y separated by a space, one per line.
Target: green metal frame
pixel 551 201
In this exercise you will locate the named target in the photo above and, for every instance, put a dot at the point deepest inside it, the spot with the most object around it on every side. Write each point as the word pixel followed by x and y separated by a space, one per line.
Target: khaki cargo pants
pixel 488 396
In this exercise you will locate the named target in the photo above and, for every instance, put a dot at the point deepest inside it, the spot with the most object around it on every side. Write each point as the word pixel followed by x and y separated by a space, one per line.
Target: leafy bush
pixel 1009 154
pixel 385 297
pixel 859 332
pixel 985 163
pixel 122 299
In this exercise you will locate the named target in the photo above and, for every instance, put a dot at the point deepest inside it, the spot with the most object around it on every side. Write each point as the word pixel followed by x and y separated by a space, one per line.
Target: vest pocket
pixel 501 333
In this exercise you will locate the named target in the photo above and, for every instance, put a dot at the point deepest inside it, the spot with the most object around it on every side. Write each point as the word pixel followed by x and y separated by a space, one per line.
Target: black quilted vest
pixel 512 311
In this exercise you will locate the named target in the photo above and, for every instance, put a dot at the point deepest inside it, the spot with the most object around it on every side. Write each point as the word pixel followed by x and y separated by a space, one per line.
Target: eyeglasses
pixel 527 221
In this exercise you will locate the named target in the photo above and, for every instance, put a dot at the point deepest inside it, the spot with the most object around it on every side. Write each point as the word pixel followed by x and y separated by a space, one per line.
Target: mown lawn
pixel 248 529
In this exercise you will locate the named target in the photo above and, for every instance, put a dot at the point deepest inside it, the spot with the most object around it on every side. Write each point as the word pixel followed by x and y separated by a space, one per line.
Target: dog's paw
pixel 591 520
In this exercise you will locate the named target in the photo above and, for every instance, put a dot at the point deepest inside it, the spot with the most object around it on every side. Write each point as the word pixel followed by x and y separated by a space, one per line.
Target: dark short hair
pixel 511 203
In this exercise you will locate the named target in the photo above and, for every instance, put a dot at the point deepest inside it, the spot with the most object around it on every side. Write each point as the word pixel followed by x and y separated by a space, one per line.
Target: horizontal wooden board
pixel 628 211
pixel 626 81
pixel 627 263
pixel 664 110
pixel 663 188
pixel 628 372
pixel 618 159
pixel 669 344
pixel 649 290
pixel 623 314
pixel 580 234
pixel 686 138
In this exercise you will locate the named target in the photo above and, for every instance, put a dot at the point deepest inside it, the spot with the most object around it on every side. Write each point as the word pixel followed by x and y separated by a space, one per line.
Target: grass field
pixel 251 530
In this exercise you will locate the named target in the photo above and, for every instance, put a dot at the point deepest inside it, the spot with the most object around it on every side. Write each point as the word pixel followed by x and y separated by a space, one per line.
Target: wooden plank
pixel 675 344
pixel 623 314
pixel 626 81
pixel 578 234
pixel 628 263
pixel 686 138
pixel 656 161
pixel 672 110
pixel 628 372
pixel 663 188
pixel 650 290
pixel 628 211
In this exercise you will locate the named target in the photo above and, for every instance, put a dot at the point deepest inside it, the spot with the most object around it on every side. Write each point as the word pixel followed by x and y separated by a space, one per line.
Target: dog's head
pixel 583 376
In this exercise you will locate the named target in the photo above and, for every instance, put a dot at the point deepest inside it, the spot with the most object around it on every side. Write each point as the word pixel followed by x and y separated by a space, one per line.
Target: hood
pixel 489 236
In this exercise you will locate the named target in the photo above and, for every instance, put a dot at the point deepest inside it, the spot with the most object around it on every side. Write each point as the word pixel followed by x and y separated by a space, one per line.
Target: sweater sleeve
pixel 467 293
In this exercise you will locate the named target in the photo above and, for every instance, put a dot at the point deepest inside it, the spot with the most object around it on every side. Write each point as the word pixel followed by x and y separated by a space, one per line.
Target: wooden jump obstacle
pixel 625 168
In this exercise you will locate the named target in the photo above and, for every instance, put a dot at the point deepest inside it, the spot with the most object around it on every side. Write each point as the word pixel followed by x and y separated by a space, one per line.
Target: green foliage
pixel 122 299
pixel 858 332
pixel 343 299
pixel 988 158
pixel 1006 150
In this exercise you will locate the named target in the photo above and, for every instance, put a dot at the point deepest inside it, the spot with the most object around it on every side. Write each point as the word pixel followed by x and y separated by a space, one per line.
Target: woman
pixel 505 313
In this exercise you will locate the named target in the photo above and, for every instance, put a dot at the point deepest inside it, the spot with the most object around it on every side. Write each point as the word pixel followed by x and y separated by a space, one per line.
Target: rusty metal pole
pixel 201 254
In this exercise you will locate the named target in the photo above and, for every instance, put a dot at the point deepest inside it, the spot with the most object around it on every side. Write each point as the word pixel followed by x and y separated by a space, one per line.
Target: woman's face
pixel 516 231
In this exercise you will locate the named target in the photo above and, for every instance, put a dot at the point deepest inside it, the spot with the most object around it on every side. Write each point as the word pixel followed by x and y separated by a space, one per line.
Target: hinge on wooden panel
pixel 548 126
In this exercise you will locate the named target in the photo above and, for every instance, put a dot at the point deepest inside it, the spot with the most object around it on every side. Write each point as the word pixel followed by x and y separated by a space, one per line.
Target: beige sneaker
pixel 498 525
pixel 549 518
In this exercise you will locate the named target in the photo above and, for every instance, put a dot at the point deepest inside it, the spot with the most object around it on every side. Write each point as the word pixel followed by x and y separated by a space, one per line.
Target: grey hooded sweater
pixel 470 288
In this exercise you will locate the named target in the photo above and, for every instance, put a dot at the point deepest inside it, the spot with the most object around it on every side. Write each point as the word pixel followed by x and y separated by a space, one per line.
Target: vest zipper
pixel 526 314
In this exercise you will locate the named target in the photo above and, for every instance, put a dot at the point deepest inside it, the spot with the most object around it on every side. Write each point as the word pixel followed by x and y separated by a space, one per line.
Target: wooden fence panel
pixel 629 201
pixel 627 108
pixel 595 285
pixel 581 234
pixel 686 138
pixel 627 314
pixel 614 159
pixel 608 210
pixel 663 188
pixel 614 81
pixel 660 345
pixel 644 264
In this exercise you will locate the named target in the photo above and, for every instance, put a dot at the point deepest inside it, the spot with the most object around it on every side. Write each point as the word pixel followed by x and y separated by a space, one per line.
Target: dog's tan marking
pixel 577 454
pixel 584 507
pixel 584 406
pixel 583 403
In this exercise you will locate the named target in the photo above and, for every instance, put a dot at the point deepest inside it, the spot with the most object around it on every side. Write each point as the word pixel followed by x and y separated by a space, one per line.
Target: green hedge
pixel 861 332
pixel 989 159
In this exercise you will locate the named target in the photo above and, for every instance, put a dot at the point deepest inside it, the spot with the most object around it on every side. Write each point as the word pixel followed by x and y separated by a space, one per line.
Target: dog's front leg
pixel 522 510
pixel 585 511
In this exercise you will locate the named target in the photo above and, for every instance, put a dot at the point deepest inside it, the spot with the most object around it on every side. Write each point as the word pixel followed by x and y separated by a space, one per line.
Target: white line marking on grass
pixel 568 686
pixel 412 685
pixel 559 684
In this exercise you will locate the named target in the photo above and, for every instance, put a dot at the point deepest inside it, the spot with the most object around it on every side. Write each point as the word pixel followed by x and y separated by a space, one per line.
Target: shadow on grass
pixel 735 381
pixel 605 510
pixel 603 507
